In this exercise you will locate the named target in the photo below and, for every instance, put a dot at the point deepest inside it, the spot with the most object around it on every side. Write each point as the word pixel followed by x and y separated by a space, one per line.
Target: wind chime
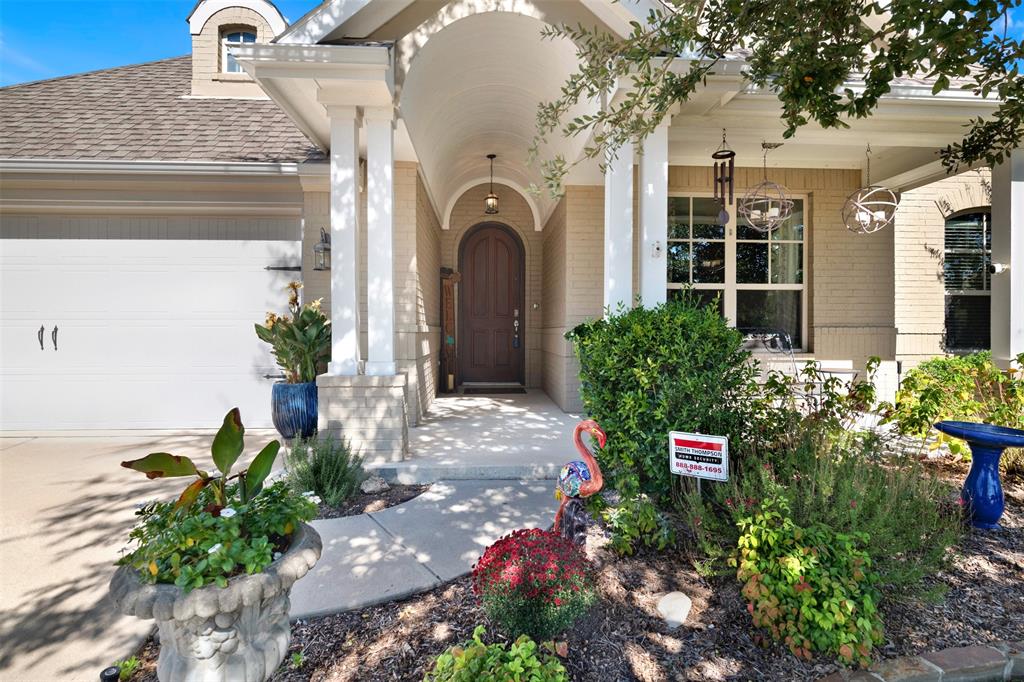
pixel 766 206
pixel 725 163
pixel 870 208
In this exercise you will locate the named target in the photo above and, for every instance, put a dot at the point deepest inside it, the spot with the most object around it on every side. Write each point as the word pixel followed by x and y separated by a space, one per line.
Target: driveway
pixel 65 510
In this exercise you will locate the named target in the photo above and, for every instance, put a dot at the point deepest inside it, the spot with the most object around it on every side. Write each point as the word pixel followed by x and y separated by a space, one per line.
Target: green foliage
pixel 227 446
pixel 327 466
pixel 209 544
pixel 534 582
pixel 647 371
pixel 965 388
pixel 806 53
pixel 127 668
pixel 812 587
pixel 301 342
pixel 298 659
pixel 521 661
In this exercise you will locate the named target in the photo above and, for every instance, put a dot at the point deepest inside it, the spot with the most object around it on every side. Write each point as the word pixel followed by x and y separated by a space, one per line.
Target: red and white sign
pixel 698 455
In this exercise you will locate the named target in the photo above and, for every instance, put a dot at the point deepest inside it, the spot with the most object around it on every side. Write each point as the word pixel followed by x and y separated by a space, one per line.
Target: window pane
pixel 752 263
pixel 708 262
pixel 965 270
pixel 232 66
pixel 744 231
pixel 702 297
pixel 787 264
pixel 705 219
pixel 679 262
pixel 792 229
pixel 967 322
pixel 678 217
pixel 761 311
pixel 966 232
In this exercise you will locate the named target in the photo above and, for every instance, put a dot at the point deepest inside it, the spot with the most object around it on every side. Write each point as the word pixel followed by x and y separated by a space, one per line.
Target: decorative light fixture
pixel 322 252
pixel 766 206
pixel 491 200
pixel 870 208
pixel 724 158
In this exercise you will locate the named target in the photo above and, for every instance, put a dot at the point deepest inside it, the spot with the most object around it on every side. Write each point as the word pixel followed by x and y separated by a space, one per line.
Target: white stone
pixel 374 484
pixel 674 607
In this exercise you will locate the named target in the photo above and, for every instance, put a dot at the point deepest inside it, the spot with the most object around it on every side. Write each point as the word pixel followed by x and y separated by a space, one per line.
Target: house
pixel 150 214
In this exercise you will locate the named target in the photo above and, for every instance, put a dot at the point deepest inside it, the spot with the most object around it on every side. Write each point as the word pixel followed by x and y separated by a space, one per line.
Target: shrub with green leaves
pixel 327 466
pixel 523 661
pixel 812 588
pixel 965 388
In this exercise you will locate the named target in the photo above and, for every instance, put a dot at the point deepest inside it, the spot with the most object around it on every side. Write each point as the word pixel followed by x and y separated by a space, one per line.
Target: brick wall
pixel 208 78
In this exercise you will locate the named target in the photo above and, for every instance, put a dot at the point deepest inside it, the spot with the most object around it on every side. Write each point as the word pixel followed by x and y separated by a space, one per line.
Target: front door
pixel 492 341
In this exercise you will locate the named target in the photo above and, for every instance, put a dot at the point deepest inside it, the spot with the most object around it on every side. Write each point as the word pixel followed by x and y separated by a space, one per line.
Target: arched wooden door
pixel 491 316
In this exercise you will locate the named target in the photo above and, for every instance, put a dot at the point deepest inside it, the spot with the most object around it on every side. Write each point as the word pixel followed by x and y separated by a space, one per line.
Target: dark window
pixel 968 254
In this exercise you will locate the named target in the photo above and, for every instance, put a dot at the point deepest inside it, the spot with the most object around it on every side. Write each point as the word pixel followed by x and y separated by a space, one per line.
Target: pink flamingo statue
pixel 577 480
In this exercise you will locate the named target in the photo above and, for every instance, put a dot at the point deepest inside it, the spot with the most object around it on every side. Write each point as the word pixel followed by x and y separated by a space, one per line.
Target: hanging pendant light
pixel 870 208
pixel 766 206
pixel 724 158
pixel 491 200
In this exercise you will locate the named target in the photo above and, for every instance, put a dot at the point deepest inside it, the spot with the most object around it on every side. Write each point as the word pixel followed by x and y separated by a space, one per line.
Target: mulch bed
pixel 366 503
pixel 624 639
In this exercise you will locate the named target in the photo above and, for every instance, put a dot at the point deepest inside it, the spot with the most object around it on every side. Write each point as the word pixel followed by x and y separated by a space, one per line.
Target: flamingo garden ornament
pixel 578 479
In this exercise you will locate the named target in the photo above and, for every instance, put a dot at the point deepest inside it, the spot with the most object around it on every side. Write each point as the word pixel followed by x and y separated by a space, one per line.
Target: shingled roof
pixel 143 112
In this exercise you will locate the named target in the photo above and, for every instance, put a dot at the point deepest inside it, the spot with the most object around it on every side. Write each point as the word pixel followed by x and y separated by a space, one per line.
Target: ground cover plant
pixel 326 465
pixel 522 660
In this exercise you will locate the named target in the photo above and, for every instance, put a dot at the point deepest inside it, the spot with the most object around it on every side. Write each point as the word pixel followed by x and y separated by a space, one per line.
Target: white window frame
pixel 225 44
pixel 731 286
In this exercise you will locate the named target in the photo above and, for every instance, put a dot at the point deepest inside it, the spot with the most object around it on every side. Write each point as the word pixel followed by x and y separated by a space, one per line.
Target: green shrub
pixel 812 588
pixel 327 466
pixel 534 582
pixel 474 661
pixel 647 371
pixel 127 667
pixel 966 388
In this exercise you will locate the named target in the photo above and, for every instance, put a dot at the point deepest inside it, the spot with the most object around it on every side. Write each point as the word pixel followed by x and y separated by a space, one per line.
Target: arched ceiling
pixel 473 89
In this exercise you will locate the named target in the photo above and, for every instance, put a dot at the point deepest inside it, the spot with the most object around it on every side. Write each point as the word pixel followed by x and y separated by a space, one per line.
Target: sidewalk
pixel 416 546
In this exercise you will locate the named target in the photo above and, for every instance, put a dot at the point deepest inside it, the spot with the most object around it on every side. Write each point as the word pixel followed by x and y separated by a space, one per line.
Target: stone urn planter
pixel 239 633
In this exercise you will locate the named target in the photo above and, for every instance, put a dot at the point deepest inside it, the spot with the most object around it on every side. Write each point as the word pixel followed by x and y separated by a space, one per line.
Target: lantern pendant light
pixel 870 208
pixel 766 206
pixel 491 200
pixel 725 159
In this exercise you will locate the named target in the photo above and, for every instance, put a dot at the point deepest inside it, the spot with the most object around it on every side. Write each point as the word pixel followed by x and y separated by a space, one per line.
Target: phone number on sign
pixel 696 466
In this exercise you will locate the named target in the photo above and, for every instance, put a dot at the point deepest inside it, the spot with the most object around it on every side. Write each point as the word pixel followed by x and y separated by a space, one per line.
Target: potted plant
pixel 215 567
pixel 301 344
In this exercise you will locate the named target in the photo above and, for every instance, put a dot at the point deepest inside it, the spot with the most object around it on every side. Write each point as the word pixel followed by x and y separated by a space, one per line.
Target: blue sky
pixel 47 38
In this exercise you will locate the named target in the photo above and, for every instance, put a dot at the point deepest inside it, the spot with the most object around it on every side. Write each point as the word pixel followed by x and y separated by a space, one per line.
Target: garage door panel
pixel 150 334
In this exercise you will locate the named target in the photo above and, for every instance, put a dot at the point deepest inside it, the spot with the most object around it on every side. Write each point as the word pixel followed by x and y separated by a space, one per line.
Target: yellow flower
pixel 153 570
pixel 270 321
pixel 315 305
pixel 288 528
pixel 189 542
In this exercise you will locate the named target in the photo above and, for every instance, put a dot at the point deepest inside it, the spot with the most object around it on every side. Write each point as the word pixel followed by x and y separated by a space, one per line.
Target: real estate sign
pixel 698 455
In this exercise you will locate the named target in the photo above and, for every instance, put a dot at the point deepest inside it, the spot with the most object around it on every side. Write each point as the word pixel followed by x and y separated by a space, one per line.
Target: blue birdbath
pixel 983 491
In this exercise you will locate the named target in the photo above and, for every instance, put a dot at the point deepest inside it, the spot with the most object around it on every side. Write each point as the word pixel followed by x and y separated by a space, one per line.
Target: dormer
pixel 218 25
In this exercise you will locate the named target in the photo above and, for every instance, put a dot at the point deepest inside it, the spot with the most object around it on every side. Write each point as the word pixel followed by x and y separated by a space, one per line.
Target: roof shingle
pixel 143 112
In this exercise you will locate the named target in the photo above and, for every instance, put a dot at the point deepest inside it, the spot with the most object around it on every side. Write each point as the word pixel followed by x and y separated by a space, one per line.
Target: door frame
pixel 461 298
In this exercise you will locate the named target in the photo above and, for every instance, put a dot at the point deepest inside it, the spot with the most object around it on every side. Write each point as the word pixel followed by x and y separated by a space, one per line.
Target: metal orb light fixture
pixel 724 158
pixel 766 206
pixel 870 208
pixel 491 200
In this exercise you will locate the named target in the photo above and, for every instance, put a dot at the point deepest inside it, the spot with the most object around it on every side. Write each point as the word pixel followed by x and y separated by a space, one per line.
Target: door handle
pixel 42 330
pixel 53 335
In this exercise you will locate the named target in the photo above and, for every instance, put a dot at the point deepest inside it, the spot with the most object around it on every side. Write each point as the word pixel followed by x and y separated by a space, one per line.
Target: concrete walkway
pixel 416 546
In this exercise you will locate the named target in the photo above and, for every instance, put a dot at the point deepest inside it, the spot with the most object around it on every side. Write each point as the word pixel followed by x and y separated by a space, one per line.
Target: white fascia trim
pixel 267 10
pixel 312 28
pixel 318 61
pixel 147 167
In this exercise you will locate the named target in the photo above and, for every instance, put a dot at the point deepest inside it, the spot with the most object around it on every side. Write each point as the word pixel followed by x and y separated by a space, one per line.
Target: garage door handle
pixel 53 335
pixel 42 330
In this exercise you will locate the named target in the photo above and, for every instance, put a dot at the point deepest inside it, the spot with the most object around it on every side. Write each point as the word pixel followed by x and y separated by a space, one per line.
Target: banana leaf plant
pixel 227 447
pixel 301 342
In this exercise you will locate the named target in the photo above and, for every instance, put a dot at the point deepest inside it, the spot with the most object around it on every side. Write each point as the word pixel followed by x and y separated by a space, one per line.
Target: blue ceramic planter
pixel 293 408
pixel 983 491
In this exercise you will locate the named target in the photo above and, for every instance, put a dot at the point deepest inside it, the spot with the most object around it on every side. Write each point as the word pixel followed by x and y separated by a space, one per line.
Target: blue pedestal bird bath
pixel 982 493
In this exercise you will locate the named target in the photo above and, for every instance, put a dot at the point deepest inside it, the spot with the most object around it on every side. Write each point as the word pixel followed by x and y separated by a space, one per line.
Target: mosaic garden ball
pixel 572 477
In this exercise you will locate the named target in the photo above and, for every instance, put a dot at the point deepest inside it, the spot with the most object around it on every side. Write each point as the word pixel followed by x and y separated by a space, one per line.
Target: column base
pixel 370 411
pixel 378 368
pixel 343 368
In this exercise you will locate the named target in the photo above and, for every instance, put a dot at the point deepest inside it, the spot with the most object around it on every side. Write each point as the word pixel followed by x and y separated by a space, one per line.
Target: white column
pixel 380 224
pixel 618 230
pixel 345 124
pixel 1007 324
pixel 654 217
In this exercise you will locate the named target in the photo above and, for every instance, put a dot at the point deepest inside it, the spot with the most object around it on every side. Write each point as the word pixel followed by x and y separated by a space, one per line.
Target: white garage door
pixel 149 334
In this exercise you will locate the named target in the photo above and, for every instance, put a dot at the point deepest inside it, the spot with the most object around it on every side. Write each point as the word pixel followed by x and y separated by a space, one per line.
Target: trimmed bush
pixel 327 466
pixel 534 582
pixel 475 661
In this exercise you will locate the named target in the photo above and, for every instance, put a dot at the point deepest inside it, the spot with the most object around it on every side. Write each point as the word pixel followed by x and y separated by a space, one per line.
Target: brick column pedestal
pixel 370 411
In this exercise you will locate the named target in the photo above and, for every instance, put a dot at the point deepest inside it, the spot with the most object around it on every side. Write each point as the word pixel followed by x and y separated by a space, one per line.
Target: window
pixel 968 254
pixel 758 278
pixel 234 39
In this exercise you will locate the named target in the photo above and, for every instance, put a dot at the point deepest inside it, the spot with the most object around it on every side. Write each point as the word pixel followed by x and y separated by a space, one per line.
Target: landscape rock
pixel 674 607
pixel 374 485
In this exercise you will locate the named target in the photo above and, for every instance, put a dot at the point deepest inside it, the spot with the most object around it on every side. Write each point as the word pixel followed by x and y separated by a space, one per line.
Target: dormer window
pixel 235 38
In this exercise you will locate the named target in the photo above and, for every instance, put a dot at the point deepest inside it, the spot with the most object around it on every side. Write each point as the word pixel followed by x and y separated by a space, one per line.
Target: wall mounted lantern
pixel 322 252
pixel 491 200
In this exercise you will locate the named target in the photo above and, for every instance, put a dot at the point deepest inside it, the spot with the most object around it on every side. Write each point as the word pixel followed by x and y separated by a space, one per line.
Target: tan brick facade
pixel 208 76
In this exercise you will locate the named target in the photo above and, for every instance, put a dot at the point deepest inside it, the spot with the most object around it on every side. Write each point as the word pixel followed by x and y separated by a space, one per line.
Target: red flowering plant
pixel 534 582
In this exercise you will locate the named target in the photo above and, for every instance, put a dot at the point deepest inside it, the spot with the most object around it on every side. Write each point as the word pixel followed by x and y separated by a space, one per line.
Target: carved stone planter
pixel 239 633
